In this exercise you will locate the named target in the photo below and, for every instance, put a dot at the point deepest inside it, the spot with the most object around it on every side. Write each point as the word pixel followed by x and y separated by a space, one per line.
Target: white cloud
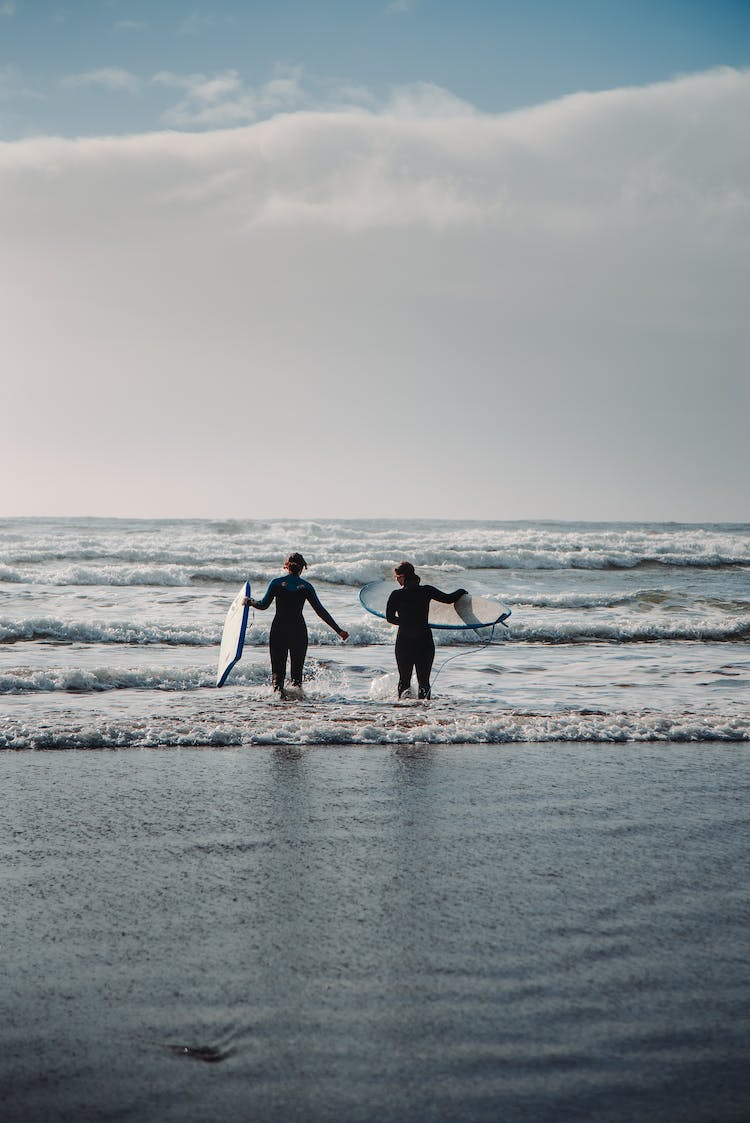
pixel 225 99
pixel 624 159
pixel 111 78
pixel 7 9
pixel 199 87
pixel 423 100
pixel 571 280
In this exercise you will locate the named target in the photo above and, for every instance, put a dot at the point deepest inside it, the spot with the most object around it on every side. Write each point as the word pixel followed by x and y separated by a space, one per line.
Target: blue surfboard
pixel 233 636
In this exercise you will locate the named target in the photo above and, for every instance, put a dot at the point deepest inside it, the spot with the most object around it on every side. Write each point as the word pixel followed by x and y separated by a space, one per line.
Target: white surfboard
pixel 467 612
pixel 233 636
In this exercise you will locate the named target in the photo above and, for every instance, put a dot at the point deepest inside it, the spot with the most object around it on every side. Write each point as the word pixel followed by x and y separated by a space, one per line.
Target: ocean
pixel 524 900
pixel 109 633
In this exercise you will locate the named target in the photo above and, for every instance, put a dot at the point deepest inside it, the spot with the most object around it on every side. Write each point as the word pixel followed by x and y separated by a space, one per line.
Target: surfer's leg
pixel 297 652
pixel 404 662
pixel 424 660
pixel 279 649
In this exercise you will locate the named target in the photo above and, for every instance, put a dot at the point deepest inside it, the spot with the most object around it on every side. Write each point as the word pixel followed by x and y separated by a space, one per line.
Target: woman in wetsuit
pixel 409 607
pixel 288 631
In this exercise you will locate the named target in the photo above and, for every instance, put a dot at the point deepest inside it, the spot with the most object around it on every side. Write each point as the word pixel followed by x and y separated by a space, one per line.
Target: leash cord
pixel 469 651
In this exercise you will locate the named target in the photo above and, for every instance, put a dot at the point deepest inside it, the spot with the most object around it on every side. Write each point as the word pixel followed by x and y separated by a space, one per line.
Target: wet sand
pixel 540 932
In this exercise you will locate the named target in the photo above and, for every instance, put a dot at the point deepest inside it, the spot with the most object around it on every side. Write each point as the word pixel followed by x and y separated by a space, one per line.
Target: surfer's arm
pixel 265 601
pixel 391 614
pixel 324 615
pixel 445 598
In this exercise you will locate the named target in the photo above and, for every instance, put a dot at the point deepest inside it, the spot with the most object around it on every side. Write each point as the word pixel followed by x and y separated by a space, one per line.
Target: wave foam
pixel 66 632
pixel 101 679
pixel 626 632
pixel 363 633
pixel 411 723
pixel 353 553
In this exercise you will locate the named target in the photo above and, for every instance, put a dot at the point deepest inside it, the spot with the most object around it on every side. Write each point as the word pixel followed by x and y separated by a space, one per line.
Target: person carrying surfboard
pixel 288 638
pixel 408 608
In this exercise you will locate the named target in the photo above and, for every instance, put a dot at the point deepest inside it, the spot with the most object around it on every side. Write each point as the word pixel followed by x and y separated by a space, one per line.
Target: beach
pixel 524 899
pixel 541 932
pixel 375 562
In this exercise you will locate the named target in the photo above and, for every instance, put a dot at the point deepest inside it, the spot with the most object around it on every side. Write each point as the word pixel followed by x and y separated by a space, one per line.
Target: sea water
pixel 109 633
pixel 525 899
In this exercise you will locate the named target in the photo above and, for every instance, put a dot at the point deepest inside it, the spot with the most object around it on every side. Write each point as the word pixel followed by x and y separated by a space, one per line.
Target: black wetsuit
pixel 409 607
pixel 288 637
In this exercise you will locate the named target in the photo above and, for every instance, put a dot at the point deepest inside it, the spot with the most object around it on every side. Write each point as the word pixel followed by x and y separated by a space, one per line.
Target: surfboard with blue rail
pixel 467 612
pixel 233 636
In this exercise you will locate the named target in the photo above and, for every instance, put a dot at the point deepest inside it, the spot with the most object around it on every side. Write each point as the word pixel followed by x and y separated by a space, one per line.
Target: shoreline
pixel 376 933
pixel 376 728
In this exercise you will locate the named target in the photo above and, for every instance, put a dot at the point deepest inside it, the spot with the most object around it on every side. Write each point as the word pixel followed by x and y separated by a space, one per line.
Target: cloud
pixel 422 100
pixel 626 158
pixel 568 280
pixel 225 99
pixel 111 78
pixel 7 9
pixel 130 25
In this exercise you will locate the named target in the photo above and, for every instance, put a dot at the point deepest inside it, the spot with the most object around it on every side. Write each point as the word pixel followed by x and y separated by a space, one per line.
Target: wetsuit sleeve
pixel 444 598
pixel 268 597
pixel 391 613
pixel 312 597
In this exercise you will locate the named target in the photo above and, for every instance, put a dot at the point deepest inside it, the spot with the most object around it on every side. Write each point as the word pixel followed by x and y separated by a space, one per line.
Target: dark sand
pixel 540 932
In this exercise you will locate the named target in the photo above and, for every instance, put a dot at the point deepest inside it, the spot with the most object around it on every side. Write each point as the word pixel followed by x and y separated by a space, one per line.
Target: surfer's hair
pixel 295 563
pixel 406 570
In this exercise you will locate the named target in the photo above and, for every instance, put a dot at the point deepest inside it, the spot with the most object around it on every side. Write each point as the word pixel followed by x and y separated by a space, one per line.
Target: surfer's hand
pixel 249 601
pixel 462 592
pixel 344 635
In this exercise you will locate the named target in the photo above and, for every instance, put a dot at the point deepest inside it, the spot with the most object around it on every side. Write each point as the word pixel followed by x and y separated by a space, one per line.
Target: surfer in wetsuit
pixel 288 637
pixel 408 608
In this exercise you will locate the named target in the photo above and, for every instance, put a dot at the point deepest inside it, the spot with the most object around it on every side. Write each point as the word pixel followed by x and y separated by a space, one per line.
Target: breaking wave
pixel 300 725
pixel 55 630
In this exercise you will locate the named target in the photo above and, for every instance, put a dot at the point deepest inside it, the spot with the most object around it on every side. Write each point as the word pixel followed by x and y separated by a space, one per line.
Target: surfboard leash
pixel 469 651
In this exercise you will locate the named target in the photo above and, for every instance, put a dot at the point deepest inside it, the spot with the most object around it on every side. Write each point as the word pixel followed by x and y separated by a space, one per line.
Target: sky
pixel 485 259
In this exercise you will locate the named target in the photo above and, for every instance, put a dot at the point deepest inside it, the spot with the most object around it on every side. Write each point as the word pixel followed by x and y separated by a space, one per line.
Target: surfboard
pixel 233 636
pixel 467 612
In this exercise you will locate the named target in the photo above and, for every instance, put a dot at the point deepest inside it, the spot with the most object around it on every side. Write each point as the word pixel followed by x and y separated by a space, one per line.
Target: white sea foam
pixel 633 631
pixel 384 687
pixel 53 629
pixel 78 680
pixel 355 553
pixel 591 600
pixel 303 723
pixel 363 633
